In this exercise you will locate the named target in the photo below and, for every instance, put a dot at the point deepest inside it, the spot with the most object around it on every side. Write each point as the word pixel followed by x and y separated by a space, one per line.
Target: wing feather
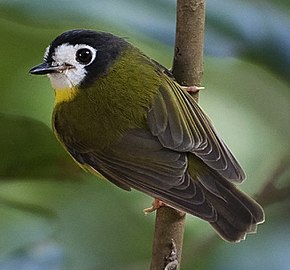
pixel 184 127
pixel 140 161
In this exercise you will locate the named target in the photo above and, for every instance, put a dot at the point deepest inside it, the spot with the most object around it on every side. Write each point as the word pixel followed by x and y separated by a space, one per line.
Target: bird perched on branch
pixel 120 114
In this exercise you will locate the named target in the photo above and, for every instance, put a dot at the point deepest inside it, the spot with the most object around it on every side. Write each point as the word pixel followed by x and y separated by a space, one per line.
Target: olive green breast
pixel 99 114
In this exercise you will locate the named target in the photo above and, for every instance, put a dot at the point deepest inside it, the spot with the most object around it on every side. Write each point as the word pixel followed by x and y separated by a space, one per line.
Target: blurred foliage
pixel 54 216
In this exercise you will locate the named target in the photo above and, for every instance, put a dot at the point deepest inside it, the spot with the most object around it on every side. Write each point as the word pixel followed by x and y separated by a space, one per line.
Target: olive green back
pixel 116 102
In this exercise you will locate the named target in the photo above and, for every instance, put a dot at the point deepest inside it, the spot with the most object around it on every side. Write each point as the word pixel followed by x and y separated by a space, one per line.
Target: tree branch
pixel 189 43
pixel 270 193
pixel 187 70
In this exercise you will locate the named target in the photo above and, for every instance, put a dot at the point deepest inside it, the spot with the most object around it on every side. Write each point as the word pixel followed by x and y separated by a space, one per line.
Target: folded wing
pixel 181 125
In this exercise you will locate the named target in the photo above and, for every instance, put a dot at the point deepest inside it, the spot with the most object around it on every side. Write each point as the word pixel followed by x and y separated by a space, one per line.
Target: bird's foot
pixel 192 89
pixel 155 205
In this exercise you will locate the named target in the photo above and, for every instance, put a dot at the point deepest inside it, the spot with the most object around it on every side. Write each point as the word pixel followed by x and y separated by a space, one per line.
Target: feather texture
pixel 186 128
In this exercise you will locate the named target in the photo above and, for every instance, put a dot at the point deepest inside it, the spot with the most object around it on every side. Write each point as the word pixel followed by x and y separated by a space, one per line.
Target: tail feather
pixel 237 213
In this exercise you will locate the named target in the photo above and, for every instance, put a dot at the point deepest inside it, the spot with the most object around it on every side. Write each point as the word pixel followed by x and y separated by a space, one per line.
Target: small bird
pixel 121 115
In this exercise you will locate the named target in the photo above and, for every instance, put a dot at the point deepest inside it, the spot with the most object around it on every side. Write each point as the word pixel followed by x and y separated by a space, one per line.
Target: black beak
pixel 44 68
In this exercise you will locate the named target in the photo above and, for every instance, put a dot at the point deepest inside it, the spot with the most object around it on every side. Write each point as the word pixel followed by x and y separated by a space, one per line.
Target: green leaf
pixel 30 150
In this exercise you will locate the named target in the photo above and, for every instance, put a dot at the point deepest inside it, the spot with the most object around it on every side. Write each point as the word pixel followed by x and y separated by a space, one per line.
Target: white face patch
pixel 46 53
pixel 65 54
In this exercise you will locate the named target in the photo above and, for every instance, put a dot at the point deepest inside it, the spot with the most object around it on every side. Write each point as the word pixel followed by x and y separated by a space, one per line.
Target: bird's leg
pixel 155 205
pixel 192 89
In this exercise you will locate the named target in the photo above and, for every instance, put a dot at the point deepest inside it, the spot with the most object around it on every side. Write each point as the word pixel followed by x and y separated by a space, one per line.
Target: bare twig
pixel 187 70
pixel 31 208
pixel 269 193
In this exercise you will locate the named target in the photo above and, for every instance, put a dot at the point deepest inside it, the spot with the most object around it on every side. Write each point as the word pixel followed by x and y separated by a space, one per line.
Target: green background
pixel 54 216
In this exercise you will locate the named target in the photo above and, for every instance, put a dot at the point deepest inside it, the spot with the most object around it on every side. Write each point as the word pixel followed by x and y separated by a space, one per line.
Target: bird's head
pixel 77 58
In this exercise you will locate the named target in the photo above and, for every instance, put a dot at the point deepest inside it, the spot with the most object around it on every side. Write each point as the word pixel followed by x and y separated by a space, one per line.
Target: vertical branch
pixel 169 229
pixel 187 70
pixel 189 43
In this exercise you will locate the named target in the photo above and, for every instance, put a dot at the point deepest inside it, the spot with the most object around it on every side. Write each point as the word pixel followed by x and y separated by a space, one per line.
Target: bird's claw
pixel 155 205
pixel 192 89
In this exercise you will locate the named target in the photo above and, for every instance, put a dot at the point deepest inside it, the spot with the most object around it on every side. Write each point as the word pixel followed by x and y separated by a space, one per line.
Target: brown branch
pixel 187 70
pixel 269 193
pixel 188 58
pixel 28 208
pixel 169 225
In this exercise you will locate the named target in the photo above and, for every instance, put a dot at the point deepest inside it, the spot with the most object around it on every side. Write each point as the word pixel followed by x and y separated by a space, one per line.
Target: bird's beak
pixel 47 68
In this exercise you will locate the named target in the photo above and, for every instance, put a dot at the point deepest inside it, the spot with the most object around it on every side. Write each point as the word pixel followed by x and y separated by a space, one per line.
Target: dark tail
pixel 236 213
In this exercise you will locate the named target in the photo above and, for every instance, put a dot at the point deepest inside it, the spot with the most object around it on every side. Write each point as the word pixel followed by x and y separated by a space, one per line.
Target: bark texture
pixel 187 70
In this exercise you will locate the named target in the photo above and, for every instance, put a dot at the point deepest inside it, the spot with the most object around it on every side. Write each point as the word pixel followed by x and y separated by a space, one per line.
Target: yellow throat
pixel 65 95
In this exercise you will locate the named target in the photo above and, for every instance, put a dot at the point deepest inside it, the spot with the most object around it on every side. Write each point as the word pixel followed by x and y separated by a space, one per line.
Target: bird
pixel 122 116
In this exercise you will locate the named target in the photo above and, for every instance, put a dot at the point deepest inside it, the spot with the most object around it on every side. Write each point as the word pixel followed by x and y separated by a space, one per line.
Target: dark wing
pixel 181 125
pixel 139 161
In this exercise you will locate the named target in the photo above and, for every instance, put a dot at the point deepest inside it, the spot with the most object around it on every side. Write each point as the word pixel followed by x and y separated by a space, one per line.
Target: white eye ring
pixel 85 54
pixel 66 53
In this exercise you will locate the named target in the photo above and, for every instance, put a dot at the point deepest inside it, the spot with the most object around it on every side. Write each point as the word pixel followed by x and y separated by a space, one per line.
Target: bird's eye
pixel 84 56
